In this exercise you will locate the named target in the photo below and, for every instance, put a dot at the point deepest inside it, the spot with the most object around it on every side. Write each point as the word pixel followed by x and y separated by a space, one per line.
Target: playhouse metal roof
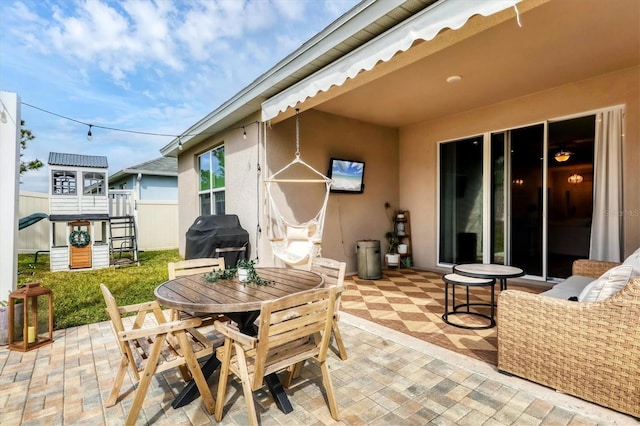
pixel 77 160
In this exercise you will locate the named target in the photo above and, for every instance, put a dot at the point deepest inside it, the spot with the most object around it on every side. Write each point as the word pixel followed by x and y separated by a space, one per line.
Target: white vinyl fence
pixel 157 224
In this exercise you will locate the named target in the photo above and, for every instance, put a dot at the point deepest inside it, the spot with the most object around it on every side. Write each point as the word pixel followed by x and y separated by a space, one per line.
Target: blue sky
pixel 149 66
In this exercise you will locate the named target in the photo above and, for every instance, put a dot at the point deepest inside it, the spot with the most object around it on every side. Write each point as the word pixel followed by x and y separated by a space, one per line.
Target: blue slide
pixel 27 221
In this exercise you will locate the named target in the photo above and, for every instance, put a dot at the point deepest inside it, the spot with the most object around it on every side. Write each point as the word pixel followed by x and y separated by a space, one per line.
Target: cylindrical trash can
pixel 369 260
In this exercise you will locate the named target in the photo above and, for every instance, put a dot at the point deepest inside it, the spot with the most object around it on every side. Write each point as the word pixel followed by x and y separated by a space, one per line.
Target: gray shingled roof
pixel 163 166
pixel 77 160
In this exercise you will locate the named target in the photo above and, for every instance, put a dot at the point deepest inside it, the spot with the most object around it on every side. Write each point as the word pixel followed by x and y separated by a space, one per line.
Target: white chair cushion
pixel 607 285
pixel 301 232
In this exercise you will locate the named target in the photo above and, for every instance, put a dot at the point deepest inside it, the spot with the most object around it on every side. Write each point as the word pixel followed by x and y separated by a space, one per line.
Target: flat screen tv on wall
pixel 347 175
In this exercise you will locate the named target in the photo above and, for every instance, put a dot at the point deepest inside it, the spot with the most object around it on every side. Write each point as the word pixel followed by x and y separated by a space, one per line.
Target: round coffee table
pixel 489 270
pixel 464 308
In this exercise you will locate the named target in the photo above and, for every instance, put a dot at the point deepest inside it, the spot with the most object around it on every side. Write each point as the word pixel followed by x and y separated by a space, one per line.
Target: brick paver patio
pixel 389 379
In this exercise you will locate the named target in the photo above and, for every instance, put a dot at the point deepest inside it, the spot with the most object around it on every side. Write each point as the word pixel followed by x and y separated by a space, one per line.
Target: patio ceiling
pixel 559 42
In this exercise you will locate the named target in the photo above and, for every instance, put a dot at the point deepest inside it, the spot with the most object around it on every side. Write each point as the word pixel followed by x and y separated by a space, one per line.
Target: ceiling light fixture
pixel 562 156
pixel 575 178
pixel 454 79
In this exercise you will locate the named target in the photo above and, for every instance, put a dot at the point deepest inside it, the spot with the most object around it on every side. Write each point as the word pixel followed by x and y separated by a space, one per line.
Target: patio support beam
pixel 9 190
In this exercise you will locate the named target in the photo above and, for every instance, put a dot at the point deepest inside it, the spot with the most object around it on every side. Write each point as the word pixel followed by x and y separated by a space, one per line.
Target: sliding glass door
pixel 517 206
pixel 461 212
pixel 570 181
pixel 542 231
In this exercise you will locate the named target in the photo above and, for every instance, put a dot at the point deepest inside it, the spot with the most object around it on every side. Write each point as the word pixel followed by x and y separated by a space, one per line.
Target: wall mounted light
pixel 518 182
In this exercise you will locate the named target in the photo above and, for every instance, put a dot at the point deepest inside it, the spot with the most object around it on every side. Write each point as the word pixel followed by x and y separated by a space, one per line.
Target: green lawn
pixel 77 299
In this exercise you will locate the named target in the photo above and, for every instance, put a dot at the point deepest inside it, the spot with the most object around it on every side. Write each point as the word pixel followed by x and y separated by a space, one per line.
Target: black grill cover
pixel 217 236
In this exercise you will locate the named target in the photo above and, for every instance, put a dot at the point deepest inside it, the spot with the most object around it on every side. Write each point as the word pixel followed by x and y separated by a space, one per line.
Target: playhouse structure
pixel 91 227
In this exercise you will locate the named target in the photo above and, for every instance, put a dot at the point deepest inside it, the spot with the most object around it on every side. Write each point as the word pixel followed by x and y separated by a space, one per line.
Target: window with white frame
pixel 63 182
pixel 93 183
pixel 211 182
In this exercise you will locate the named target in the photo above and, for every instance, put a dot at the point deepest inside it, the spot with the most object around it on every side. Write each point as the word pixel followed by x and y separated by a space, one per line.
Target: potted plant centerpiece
pixel 244 270
pixel 244 267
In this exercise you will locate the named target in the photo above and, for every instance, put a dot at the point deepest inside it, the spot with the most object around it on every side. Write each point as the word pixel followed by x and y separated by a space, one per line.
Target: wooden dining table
pixel 241 302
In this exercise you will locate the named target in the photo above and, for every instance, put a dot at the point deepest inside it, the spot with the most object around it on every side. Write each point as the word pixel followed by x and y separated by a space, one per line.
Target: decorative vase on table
pixel 243 275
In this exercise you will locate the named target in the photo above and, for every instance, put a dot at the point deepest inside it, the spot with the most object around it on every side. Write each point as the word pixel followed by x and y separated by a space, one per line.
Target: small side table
pixel 463 308
pixel 489 270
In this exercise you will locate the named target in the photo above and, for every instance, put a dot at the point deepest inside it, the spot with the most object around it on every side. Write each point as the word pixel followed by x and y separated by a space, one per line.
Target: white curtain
pixel 606 227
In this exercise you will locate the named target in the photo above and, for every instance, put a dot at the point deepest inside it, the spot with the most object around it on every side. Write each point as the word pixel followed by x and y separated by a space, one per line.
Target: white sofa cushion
pixel 571 287
pixel 607 285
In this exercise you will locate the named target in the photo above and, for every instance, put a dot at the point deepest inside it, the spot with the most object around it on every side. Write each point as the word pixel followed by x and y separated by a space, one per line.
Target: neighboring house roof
pixel 367 20
pixel 77 160
pixel 163 166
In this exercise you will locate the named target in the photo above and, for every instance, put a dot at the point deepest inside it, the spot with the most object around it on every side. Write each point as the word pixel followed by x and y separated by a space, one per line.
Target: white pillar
pixel 9 191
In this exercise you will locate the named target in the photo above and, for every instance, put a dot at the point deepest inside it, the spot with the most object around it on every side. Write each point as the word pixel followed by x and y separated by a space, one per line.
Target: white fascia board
pixel 424 25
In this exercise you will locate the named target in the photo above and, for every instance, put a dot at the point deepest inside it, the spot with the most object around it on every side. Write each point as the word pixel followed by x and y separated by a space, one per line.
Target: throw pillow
pixel 607 285
pixel 634 262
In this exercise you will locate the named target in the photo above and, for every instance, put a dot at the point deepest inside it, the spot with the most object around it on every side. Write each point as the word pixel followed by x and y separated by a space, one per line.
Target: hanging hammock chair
pixel 297 243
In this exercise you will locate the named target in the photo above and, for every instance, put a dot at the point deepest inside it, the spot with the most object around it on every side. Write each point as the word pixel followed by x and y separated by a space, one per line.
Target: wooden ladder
pixel 122 228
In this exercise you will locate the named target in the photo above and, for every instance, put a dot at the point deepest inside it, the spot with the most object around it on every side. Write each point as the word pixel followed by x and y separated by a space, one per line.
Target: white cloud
pixel 147 65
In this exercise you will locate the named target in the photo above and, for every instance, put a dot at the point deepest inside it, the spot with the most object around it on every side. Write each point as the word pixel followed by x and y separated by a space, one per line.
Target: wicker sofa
pixel 589 350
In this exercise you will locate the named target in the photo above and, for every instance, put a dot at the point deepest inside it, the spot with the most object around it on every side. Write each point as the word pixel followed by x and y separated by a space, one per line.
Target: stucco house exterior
pixel 460 110
pixel 155 179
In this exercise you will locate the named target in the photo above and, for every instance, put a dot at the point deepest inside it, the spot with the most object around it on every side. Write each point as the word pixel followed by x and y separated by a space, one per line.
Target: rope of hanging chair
pixel 318 218
pixel 289 255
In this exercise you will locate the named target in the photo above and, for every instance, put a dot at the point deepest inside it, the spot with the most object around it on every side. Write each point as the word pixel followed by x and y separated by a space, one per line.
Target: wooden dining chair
pixel 333 273
pixel 152 345
pixel 194 266
pixel 291 330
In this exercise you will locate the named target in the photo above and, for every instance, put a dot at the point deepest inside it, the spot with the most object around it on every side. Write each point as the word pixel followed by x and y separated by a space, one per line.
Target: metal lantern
pixel 30 317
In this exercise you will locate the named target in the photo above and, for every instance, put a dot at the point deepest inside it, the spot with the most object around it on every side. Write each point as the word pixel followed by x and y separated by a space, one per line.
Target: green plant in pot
pixel 392 238
pixel 392 257
pixel 244 270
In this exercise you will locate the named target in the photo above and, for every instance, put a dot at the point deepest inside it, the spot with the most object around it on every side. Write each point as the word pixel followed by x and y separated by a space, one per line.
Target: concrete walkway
pixel 389 379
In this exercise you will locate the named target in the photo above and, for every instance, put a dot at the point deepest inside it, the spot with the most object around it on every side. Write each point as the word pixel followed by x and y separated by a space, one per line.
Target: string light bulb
pixel 89 134
pixel 180 144
pixel 244 133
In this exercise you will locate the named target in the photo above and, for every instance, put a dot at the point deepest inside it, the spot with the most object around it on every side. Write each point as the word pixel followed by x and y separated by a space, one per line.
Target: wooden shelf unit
pixel 402 226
